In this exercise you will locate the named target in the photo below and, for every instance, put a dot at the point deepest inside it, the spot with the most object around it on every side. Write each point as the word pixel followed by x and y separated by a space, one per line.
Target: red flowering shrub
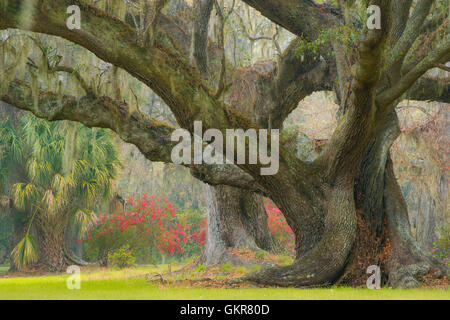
pixel 279 227
pixel 152 223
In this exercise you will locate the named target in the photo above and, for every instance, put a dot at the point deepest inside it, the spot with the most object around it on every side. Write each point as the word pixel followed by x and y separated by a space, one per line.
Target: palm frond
pixel 23 195
pixel 62 185
pixel 25 252
pixel 50 203
pixel 84 218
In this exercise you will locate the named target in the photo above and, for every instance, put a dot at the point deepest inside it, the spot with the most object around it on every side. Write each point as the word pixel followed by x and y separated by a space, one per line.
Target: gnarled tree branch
pixel 150 136
pixel 161 67
pixel 286 13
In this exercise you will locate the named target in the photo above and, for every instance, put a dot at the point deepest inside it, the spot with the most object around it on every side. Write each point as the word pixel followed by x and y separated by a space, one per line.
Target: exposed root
pixel 412 275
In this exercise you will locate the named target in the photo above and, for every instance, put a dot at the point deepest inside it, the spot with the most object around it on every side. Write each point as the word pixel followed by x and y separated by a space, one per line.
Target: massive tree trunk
pixel 372 236
pixel 366 223
pixel 384 236
pixel 237 219
pixel 323 246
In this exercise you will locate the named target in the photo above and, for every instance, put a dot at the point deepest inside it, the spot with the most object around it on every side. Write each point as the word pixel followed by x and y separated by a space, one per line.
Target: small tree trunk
pixel 74 246
pixel 103 258
pixel 236 219
pixel 52 251
pixel 407 261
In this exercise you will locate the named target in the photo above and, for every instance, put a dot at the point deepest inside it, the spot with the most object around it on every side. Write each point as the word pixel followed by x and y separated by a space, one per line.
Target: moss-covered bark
pixel 237 219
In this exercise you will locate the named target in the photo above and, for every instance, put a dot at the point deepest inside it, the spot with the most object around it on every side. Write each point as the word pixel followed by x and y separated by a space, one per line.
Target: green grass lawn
pixel 127 284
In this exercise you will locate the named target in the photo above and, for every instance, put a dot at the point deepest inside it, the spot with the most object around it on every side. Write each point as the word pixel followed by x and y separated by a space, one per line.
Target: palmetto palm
pixel 59 186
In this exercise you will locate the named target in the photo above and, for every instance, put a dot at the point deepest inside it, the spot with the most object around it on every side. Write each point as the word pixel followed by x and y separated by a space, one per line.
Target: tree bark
pixel 199 42
pixel 383 230
pixel 407 261
pixel 52 251
pixel 237 219
pixel 75 248
pixel 366 223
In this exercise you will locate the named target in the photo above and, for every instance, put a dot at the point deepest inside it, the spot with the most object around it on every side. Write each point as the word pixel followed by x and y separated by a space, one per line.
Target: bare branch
pixel 152 15
pixel 221 43
pixel 410 34
pixel 229 175
pixel 76 74
pixel 153 138
pixel 295 80
pixel 400 18
pixel 199 43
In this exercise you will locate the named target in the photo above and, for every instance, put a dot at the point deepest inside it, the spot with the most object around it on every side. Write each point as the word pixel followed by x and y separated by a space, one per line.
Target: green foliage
pixel 100 248
pixel 200 268
pixel 192 218
pixel 227 267
pixel 123 257
pixel 260 254
pixel 344 34
pixel 25 252
pixel 50 180
pixel 441 248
